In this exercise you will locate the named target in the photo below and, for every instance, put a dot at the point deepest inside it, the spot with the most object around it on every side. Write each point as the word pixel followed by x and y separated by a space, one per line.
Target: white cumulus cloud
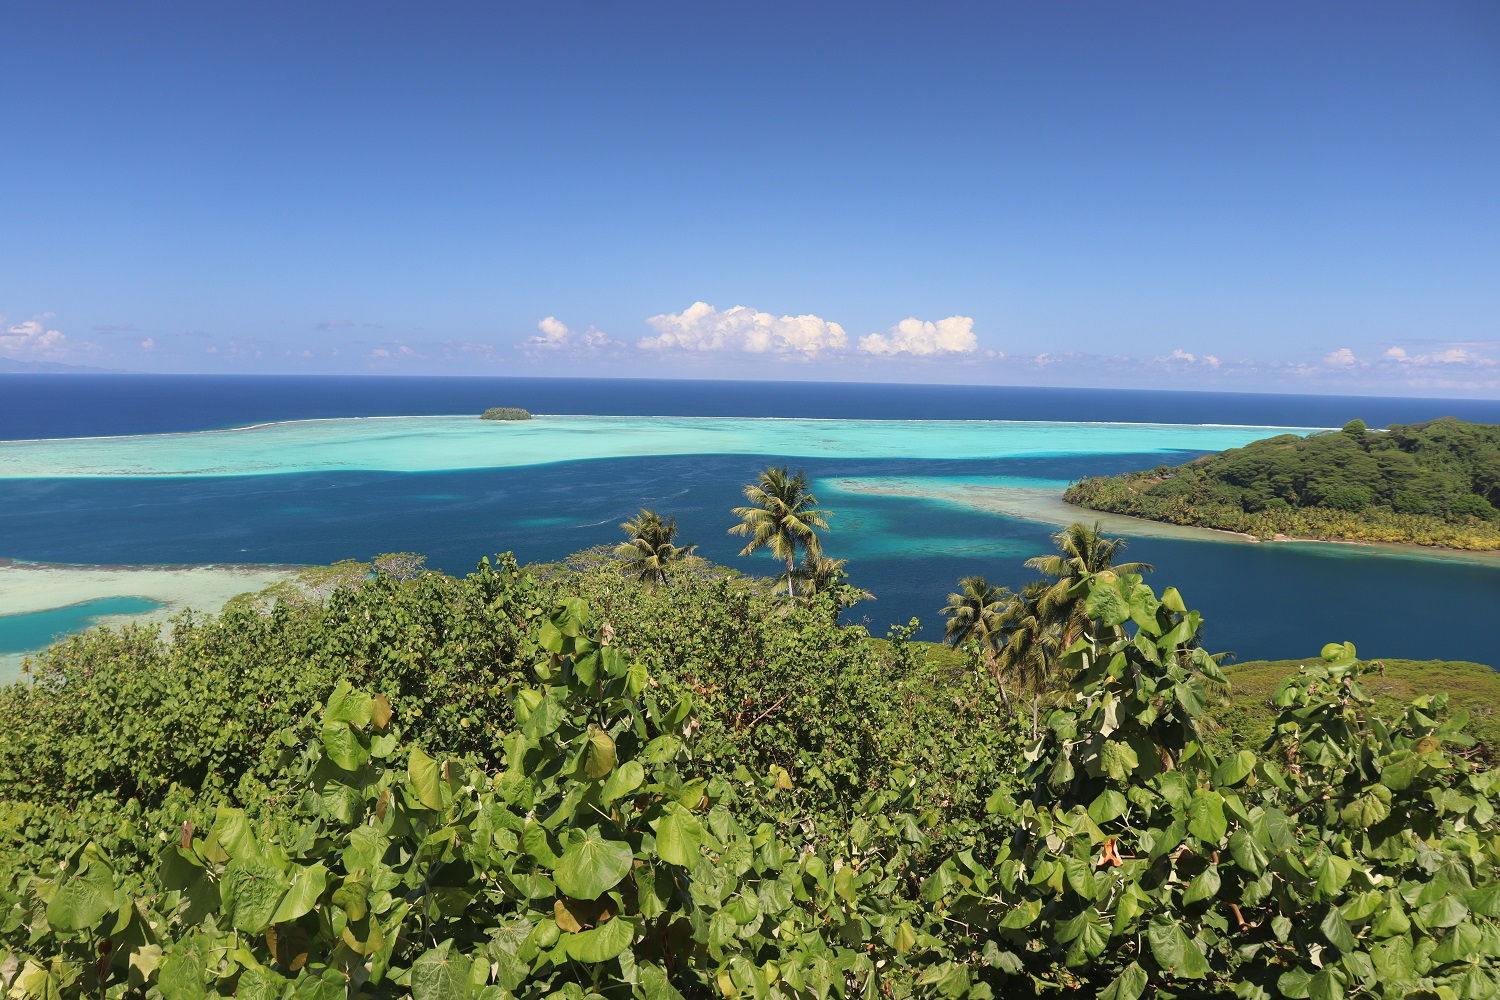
pixel 395 352
pixel 701 327
pixel 553 334
pixel 1341 358
pixel 1179 356
pixel 954 335
pixel 32 336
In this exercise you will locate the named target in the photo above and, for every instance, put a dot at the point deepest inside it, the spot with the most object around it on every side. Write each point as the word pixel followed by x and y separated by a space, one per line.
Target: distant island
pixel 13 366
pixel 505 413
pixel 1435 483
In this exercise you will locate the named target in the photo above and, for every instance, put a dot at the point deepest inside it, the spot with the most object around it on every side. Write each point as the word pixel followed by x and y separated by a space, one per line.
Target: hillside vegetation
pixel 1435 483
pixel 656 778
pixel 1247 714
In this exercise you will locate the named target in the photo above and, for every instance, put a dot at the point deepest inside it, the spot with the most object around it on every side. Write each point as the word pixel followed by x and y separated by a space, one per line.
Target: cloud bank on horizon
pixel 705 341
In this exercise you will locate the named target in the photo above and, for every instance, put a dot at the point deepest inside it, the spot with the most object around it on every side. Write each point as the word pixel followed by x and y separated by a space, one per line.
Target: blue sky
pixel 1294 197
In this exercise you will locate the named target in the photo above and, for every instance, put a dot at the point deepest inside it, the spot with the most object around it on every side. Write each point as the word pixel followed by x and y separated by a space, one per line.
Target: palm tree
pixel 782 516
pixel 979 612
pixel 1082 551
pixel 650 549
pixel 1033 646
pixel 820 574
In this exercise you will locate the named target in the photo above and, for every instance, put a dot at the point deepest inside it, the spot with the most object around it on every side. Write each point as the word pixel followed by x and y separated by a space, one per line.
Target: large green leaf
pixel 622 781
pixel 251 889
pixel 1206 816
pixel 1128 985
pixel 599 755
pixel 1205 885
pixel 348 705
pixel 1174 951
pixel 679 836
pixel 544 719
pixel 232 832
pixel 1235 769
pixel 82 899
pixel 343 747
pixel 183 970
pixel 426 782
pixel 1117 759
pixel 602 943
pixel 1325 985
pixel 441 973
pixel 35 983
pixel 1106 604
pixel 592 865
pixel 303 894
pixel 1109 805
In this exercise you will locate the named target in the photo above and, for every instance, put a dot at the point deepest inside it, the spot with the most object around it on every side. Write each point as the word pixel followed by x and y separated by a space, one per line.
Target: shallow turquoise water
pixel 37 629
pixel 441 444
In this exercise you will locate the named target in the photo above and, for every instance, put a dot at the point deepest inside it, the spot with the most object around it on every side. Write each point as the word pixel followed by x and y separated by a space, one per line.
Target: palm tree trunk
pixel 791 566
pixel 1036 698
pixel 995 673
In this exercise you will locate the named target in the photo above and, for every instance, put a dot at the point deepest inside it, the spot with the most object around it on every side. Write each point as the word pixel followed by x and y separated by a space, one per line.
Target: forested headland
pixel 1435 483
pixel 638 774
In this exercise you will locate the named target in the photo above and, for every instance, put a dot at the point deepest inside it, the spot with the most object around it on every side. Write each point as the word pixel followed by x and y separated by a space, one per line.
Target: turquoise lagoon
pixel 33 630
pixel 917 504
pixel 436 444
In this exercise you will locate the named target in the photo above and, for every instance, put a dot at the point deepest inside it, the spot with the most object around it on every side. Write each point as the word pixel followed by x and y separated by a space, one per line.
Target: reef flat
pixel 434 444
pixel 27 587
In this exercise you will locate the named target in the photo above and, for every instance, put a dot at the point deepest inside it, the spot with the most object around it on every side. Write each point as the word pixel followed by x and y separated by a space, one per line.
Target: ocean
pixel 903 494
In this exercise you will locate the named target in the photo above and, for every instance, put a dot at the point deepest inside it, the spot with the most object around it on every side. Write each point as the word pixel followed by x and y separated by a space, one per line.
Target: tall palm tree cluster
pixel 1022 636
pixel 781 516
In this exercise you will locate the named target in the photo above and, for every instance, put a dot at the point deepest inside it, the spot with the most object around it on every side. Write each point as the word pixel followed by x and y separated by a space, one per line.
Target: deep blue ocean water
pixel 1259 600
pixel 37 406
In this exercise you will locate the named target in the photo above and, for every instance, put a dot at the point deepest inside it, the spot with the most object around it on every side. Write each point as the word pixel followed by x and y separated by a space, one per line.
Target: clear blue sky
pixel 1288 196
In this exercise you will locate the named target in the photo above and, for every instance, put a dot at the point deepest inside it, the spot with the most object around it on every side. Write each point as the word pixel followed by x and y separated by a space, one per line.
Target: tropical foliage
pixel 1022 635
pixel 651 549
pixel 1436 483
pixel 505 413
pixel 782 517
pixel 979 614
pixel 572 783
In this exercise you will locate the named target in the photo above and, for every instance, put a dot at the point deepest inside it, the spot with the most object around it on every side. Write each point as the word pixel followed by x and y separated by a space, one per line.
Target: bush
pixel 618 831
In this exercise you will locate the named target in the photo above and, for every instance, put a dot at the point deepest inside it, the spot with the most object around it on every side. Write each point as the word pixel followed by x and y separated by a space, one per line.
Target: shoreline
pixel 1439 553
pixel 33 587
pixel 1045 504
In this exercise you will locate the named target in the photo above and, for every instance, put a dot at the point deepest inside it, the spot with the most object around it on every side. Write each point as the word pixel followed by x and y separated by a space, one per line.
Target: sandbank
pixel 28 587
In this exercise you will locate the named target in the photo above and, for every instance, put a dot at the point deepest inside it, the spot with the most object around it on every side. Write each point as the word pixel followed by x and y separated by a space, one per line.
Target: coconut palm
pixel 782 516
pixel 1033 647
pixel 819 575
pixel 979 613
pixel 650 548
pixel 1082 551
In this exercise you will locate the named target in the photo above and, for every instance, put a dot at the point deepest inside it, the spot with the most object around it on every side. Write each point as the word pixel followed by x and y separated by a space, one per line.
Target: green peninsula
pixel 1435 483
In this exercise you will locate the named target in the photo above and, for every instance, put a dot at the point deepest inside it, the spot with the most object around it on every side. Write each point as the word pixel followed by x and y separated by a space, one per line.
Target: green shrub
pixel 593 846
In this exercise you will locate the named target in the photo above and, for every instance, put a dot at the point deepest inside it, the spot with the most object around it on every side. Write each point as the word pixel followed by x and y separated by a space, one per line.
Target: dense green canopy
pixel 1434 483
pixel 567 782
